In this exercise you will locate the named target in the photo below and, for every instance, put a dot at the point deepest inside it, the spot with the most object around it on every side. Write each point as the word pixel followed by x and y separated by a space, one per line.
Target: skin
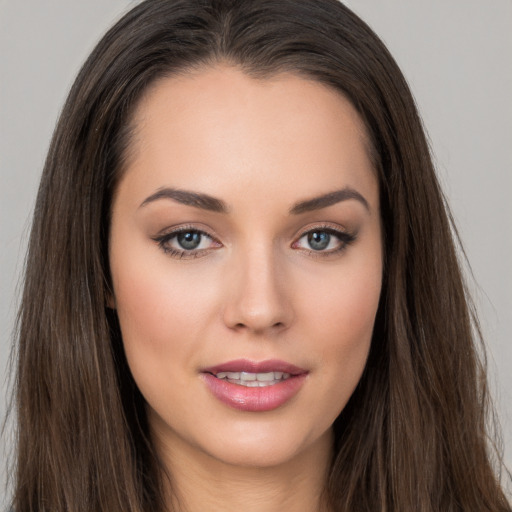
pixel 255 289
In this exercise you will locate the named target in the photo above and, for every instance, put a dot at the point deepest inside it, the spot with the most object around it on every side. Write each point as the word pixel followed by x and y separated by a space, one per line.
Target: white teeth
pixel 265 377
pixel 253 380
pixel 229 375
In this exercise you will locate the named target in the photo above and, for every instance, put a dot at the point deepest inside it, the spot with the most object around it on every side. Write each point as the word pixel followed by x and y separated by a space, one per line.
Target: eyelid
pixel 345 237
pixel 323 226
pixel 179 228
pixel 168 234
pixel 163 238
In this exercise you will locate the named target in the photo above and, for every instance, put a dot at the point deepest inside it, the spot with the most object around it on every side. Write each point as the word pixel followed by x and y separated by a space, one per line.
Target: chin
pixel 259 449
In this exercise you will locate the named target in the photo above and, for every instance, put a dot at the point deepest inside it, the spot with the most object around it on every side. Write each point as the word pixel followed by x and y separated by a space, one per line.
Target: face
pixel 246 258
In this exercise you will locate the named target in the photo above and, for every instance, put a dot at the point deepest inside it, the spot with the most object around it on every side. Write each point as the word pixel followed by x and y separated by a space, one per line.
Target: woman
pixel 240 193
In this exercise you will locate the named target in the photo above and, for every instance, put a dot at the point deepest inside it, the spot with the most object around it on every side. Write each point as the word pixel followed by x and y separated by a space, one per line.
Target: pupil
pixel 319 240
pixel 189 240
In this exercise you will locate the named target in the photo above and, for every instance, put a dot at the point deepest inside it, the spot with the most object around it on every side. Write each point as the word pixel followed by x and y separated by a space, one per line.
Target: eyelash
pixel 164 240
pixel 345 238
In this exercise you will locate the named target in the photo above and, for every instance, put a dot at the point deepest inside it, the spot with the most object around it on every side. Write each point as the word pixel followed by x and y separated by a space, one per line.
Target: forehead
pixel 217 127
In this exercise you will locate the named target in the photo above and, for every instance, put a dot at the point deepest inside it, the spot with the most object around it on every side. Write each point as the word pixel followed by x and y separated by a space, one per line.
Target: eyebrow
pixel 195 199
pixel 329 199
pixel 207 202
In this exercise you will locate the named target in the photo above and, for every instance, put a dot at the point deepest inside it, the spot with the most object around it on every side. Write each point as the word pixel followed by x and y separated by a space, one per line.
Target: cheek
pixel 341 320
pixel 159 311
pixel 158 318
pixel 345 306
pixel 349 330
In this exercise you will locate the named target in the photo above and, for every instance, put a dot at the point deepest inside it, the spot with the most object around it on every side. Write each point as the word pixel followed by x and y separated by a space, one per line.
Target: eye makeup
pixel 189 241
pixel 324 240
pixel 186 242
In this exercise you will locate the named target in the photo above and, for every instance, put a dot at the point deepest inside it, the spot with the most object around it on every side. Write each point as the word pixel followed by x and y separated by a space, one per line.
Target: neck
pixel 199 482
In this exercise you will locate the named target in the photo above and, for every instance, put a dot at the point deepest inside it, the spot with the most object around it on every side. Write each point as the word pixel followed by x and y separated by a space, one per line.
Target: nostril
pixel 241 325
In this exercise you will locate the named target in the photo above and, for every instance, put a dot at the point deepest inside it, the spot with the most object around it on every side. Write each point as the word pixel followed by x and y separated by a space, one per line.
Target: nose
pixel 259 298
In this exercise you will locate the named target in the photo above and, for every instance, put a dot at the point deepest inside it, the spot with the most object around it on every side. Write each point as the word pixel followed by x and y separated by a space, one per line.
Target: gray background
pixel 456 56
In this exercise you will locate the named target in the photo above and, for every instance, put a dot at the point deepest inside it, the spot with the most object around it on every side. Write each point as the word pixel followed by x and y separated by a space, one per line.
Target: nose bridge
pixel 258 293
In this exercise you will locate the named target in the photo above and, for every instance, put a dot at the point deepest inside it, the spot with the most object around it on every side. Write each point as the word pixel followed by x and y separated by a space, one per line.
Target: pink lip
pixel 254 399
pixel 245 365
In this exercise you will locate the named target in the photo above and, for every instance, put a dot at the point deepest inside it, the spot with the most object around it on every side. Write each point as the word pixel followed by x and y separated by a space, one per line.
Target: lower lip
pixel 254 399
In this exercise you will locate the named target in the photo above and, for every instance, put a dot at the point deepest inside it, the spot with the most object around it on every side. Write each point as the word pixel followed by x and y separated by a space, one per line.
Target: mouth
pixel 253 380
pixel 253 374
pixel 254 386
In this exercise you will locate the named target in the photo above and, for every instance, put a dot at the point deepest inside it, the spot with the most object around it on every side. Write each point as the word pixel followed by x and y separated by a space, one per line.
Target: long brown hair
pixel 413 437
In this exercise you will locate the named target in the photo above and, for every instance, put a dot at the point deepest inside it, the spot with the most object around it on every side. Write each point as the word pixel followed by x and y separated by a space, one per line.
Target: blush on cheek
pixel 142 312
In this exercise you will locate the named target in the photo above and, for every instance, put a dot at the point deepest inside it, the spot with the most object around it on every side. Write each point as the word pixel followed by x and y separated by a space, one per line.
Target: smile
pixel 254 386
pixel 253 380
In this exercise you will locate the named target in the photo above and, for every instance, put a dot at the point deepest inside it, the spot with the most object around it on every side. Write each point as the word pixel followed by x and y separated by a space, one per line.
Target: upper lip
pixel 246 365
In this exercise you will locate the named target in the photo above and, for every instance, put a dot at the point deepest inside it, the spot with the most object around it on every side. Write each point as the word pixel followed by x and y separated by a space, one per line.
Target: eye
pixel 186 243
pixel 190 240
pixel 324 240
